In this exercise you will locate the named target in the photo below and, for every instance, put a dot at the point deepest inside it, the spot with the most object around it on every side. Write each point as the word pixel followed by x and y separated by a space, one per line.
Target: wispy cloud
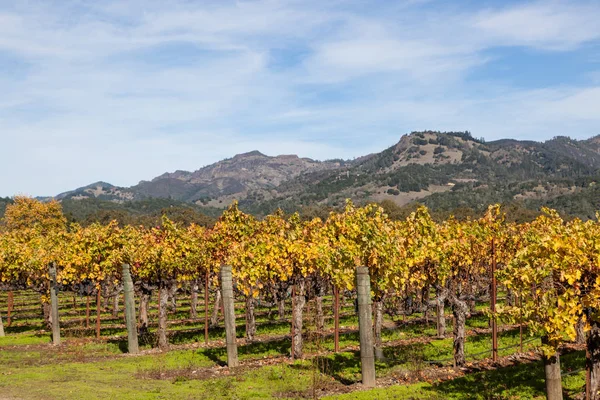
pixel 125 90
pixel 547 25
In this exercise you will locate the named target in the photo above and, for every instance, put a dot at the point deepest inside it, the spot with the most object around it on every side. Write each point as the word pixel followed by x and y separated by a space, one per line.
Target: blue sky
pixel 125 90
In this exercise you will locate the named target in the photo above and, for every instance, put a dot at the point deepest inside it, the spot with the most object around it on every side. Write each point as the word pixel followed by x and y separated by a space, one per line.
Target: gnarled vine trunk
pixel 214 318
pixel 163 343
pixel 297 309
pixel 510 297
pixel 378 306
pixel 579 329
pixel 172 292
pixel 194 300
pixel 250 318
pixel 593 349
pixel 418 302
pixel 460 311
pixel 87 311
pixel 144 302
pixel 116 298
pixel 9 307
pixel 1 327
pixel 46 314
pixel 320 321
pixel 472 292
pixel 441 294
pixel 281 309
pixel 425 302
pixel 105 292
pixel 115 308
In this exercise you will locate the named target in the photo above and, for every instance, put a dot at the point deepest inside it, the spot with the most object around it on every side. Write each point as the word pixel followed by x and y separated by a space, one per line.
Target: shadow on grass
pixel 216 355
pixel 273 347
pixel 343 367
pixel 346 368
pixel 122 343
pixel 20 329
pixel 526 379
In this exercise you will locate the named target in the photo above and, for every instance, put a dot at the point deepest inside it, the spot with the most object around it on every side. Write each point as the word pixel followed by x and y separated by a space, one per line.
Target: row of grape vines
pixel 548 268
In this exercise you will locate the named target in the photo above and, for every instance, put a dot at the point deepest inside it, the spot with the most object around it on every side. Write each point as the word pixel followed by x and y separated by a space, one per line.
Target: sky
pixel 125 90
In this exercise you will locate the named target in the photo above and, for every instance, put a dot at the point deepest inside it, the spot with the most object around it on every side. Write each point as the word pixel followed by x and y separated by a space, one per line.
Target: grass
pixel 519 382
pixel 141 377
pixel 107 374
pixel 97 369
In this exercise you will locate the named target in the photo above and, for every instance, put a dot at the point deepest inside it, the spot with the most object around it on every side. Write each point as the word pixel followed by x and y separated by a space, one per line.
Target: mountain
pixel 99 190
pixel 444 170
pixel 232 178
pixel 212 185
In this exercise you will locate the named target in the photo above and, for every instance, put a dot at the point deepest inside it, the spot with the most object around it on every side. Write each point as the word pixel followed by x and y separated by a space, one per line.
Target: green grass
pixel 126 377
pixel 86 368
pixel 170 375
pixel 524 381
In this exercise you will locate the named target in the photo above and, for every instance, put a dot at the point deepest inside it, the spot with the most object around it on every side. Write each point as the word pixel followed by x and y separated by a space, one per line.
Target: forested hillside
pixel 450 172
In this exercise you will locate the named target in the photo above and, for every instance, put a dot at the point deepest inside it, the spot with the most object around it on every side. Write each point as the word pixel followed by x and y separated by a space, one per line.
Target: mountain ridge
pixel 441 169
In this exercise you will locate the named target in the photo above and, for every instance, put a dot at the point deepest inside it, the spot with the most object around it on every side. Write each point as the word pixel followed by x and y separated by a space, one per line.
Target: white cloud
pixel 126 90
pixel 546 24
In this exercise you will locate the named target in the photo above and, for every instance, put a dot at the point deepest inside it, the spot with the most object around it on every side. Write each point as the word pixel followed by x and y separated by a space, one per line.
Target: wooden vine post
pixel 130 318
pixel 54 305
pixel 365 325
pixel 229 314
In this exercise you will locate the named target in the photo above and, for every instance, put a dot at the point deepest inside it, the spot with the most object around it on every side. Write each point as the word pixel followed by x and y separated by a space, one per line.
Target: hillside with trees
pixel 446 171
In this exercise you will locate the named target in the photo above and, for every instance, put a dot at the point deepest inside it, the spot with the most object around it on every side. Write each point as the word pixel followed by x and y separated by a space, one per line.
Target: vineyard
pixel 460 309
